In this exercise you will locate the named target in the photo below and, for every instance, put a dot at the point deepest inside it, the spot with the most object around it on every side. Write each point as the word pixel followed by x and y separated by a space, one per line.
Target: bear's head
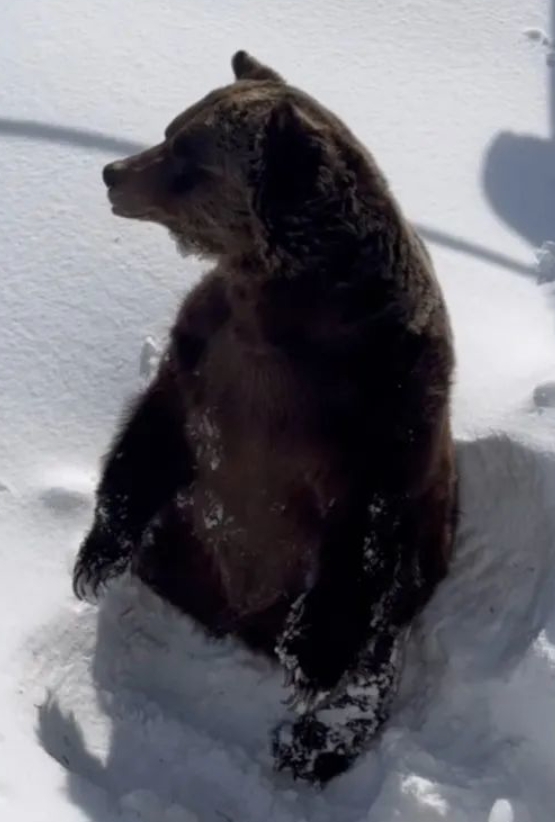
pixel 255 169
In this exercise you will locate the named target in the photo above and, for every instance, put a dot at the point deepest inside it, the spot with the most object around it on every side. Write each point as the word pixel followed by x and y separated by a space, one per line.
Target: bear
pixel 288 477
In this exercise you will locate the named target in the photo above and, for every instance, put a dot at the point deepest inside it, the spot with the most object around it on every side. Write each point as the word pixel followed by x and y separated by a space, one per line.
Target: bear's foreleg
pixel 147 462
pixel 325 741
pixel 340 644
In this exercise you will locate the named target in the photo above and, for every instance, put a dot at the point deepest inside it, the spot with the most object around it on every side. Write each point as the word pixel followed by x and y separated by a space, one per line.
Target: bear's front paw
pixel 315 650
pixel 87 580
pixel 308 750
pixel 98 561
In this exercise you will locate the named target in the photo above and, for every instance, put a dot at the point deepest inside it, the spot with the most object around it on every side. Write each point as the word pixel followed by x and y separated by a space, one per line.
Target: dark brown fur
pixel 289 475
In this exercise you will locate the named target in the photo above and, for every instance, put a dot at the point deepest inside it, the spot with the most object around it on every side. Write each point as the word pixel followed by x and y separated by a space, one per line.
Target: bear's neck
pixel 322 308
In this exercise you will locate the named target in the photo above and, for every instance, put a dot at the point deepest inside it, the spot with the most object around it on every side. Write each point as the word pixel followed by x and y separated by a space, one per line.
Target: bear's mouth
pixel 128 207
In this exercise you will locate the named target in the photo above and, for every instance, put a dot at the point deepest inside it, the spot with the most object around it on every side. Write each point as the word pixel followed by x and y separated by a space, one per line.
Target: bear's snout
pixel 113 173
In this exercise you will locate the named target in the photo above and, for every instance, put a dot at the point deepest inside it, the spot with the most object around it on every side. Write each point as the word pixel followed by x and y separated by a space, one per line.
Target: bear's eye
pixel 182 146
pixel 187 168
pixel 185 175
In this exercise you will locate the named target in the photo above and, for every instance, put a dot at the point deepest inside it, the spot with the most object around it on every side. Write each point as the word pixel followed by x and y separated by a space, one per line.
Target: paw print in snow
pixel 539 36
pixel 544 396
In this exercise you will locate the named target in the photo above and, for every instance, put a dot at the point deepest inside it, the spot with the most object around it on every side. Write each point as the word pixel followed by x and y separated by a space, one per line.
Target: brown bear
pixel 288 477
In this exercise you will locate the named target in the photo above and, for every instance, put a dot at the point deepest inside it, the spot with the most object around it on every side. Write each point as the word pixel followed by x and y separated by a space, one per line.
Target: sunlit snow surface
pixel 125 712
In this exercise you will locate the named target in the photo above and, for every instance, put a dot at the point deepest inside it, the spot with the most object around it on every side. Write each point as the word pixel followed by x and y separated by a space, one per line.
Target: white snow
pixel 125 712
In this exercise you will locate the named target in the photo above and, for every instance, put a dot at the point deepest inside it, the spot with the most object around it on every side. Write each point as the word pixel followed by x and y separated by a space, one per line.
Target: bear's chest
pixel 265 476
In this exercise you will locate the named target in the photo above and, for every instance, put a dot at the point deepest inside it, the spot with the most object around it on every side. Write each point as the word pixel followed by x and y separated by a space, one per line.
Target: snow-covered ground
pixel 124 712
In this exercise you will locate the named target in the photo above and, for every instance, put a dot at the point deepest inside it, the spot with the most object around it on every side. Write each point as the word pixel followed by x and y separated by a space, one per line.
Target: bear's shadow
pixel 182 723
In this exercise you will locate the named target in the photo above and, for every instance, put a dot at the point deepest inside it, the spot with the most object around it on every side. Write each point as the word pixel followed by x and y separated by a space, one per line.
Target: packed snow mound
pixel 168 726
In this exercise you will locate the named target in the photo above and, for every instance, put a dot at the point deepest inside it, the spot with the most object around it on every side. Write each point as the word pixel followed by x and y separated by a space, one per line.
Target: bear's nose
pixel 112 173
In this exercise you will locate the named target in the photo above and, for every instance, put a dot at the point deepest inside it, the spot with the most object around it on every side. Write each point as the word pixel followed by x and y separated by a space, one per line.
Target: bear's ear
pixel 246 67
pixel 293 155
